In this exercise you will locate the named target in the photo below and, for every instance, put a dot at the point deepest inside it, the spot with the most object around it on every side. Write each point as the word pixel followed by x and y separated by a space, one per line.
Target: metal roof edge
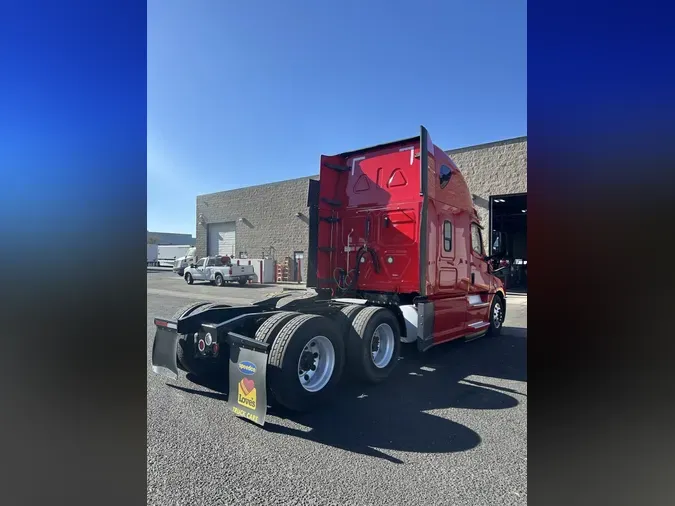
pixel 485 145
pixel 313 176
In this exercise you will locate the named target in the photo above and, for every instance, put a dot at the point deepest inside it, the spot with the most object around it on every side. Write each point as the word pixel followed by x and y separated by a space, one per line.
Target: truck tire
pixel 219 279
pixel 188 278
pixel 185 311
pixel 271 327
pixel 351 311
pixel 268 332
pixel 345 319
pixel 497 313
pixel 189 309
pixel 242 281
pixel 374 344
pixel 292 382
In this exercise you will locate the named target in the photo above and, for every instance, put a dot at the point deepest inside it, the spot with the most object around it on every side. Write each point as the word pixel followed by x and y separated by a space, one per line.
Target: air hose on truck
pixel 347 281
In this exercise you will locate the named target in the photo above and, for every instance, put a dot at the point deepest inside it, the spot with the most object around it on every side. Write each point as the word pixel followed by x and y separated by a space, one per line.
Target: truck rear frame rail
pixel 217 342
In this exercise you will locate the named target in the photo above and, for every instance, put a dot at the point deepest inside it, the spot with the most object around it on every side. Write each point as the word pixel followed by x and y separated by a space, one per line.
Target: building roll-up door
pixel 221 239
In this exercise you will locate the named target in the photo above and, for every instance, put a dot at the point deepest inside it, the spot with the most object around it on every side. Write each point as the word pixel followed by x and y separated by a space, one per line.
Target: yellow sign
pixel 247 393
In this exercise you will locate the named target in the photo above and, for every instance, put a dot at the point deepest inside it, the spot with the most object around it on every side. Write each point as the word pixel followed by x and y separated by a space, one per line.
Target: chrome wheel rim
pixel 497 315
pixel 382 344
pixel 316 364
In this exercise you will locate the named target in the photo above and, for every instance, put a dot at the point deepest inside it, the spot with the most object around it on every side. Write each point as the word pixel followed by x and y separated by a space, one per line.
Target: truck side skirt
pixel 425 325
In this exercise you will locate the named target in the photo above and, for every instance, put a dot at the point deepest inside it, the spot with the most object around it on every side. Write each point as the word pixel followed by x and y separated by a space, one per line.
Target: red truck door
pixel 480 279
pixel 451 304
pixel 477 319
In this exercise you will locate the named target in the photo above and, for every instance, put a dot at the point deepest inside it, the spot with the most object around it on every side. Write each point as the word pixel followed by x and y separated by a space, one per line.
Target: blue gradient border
pixel 601 131
pixel 73 124
pixel 73 221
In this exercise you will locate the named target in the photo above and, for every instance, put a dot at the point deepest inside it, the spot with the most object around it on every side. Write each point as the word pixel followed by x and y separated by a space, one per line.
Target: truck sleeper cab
pixel 395 255
pixel 181 263
pixel 396 224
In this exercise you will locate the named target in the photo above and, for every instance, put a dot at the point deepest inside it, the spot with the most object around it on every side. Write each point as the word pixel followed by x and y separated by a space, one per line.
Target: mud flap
pixel 164 352
pixel 248 383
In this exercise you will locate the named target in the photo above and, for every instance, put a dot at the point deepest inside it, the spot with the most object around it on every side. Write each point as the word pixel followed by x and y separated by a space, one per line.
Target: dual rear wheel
pixel 306 359
pixel 307 354
pixel 373 342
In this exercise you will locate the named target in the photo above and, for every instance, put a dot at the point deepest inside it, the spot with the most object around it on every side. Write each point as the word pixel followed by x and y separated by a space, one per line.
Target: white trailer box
pixel 263 268
pixel 168 253
pixel 153 253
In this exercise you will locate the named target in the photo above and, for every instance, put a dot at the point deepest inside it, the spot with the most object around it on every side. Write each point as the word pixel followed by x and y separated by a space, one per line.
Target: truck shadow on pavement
pixel 396 415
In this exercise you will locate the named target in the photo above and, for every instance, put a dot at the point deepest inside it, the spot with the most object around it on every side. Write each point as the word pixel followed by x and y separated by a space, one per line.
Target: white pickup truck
pixel 212 269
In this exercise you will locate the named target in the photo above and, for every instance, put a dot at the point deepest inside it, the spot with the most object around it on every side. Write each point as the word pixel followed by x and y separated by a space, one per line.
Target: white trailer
pixel 153 253
pixel 168 254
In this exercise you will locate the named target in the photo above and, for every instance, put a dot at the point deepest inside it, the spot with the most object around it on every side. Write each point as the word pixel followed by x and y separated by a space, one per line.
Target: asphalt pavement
pixel 448 427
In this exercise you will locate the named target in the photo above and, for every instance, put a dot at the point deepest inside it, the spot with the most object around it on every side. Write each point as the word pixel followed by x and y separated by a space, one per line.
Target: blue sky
pixel 246 93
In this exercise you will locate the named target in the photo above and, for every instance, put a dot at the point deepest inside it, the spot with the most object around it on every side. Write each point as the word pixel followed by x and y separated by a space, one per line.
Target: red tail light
pixel 230 272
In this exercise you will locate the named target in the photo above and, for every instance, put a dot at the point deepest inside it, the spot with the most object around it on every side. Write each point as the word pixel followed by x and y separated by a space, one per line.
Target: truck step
pixel 327 249
pixel 334 203
pixel 337 168
pixel 330 219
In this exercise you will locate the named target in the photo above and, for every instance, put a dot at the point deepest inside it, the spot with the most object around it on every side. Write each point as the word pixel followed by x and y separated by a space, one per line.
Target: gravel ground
pixel 449 427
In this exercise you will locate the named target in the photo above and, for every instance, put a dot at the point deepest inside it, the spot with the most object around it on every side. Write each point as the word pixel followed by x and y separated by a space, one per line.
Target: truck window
pixel 211 262
pixel 447 235
pixel 444 175
pixel 202 262
pixel 476 239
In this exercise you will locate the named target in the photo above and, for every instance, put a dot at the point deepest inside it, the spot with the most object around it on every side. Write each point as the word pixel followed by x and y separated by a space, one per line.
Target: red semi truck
pixel 395 255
